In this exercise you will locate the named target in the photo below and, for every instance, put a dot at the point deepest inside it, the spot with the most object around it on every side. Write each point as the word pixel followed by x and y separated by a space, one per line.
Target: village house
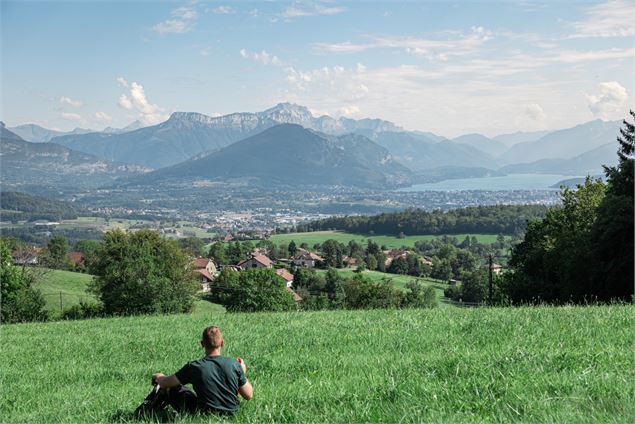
pixel 205 270
pixel 256 261
pixel 296 296
pixel 28 256
pixel 306 259
pixel 286 276
pixel 77 258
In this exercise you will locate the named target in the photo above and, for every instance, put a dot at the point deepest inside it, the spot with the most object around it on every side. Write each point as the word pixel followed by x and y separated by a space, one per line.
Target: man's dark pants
pixel 183 399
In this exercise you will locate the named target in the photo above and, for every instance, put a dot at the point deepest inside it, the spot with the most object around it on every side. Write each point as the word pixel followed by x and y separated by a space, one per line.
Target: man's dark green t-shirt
pixel 216 380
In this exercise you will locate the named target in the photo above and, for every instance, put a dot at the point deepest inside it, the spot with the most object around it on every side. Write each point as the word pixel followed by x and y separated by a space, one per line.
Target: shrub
pixel 20 301
pixel 142 273
pixel 419 296
pixel 253 290
pixel 84 310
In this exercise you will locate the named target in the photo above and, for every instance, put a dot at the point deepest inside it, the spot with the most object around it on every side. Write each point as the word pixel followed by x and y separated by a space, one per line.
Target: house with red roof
pixel 306 259
pixel 286 276
pixel 256 261
pixel 204 269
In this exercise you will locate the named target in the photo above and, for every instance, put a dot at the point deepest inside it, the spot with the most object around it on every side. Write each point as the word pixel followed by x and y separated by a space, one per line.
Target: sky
pixel 451 68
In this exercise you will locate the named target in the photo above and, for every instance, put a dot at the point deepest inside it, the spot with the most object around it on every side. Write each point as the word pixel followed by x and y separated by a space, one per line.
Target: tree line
pixel 505 219
pixel 583 249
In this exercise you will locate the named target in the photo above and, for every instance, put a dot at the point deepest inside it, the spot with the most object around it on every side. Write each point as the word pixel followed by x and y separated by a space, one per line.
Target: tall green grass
pixel 542 364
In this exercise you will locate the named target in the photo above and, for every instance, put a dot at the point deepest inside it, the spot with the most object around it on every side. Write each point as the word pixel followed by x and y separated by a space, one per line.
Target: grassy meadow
pixel 73 288
pixel 392 242
pixel 530 364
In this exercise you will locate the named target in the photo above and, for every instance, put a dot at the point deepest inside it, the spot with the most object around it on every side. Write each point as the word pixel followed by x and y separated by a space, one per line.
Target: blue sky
pixel 449 68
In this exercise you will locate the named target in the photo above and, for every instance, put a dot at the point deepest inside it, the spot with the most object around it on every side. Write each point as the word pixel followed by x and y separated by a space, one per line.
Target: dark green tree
pixel 419 296
pixel 293 249
pixel 56 255
pixel 253 290
pixel 142 273
pixel 21 302
pixel 193 246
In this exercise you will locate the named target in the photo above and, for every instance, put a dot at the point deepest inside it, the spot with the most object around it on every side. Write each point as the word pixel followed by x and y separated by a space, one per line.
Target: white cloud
pixel 185 17
pixel 173 26
pixel 69 101
pixel 303 10
pixel 223 10
pixel 122 81
pixel 71 116
pixel 103 117
pixel 263 57
pixel 136 99
pixel 206 51
pixel 185 13
pixel 534 111
pixel 457 44
pixel 124 102
pixel 610 19
pixel 610 100
pixel 351 110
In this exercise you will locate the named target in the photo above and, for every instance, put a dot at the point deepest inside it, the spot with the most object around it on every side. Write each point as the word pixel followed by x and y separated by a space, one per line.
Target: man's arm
pixel 246 391
pixel 165 381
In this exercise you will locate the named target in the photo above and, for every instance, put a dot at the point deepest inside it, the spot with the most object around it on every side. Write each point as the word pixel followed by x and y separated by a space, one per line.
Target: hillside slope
pixel 29 166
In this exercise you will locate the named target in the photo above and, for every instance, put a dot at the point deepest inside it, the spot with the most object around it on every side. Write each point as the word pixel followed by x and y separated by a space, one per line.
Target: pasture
pixel 391 242
pixel 72 287
pixel 528 364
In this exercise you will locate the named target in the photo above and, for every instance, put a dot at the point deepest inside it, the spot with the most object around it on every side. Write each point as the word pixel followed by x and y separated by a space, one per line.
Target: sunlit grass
pixel 544 364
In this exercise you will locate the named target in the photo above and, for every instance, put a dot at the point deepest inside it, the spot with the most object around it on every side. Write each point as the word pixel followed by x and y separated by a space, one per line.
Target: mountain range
pixel 289 154
pixel 342 151
pixel 37 166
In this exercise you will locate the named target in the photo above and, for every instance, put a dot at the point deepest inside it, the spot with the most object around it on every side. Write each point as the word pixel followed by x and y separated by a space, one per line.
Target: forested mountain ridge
pixel 505 219
pixel 292 155
pixel 37 167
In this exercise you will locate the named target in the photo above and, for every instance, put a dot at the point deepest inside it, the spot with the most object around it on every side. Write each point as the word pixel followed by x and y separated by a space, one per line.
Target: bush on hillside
pixel 418 296
pixel 253 290
pixel 142 273
pixel 84 310
pixel 20 301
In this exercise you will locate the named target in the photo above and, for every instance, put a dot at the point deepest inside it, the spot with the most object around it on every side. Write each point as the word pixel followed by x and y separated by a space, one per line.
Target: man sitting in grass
pixel 217 380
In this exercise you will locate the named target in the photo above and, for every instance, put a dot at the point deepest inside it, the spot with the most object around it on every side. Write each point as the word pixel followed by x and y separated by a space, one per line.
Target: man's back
pixel 216 380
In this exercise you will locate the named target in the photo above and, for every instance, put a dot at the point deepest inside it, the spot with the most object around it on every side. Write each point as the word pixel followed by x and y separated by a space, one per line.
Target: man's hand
pixel 155 377
pixel 242 364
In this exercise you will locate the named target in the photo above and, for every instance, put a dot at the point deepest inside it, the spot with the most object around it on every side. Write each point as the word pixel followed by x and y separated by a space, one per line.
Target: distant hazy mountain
pixel 37 134
pixel 564 144
pixel 520 137
pixel 291 155
pixel 131 127
pixel 34 166
pixel 186 134
pixel 418 152
pixel 588 163
pixel 482 143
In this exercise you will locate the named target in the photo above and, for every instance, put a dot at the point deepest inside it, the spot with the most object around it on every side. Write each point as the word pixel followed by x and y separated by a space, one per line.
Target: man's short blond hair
pixel 212 337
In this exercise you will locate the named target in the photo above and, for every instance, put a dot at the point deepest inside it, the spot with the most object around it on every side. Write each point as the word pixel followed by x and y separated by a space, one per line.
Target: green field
pixel 73 285
pixel 392 242
pixel 543 364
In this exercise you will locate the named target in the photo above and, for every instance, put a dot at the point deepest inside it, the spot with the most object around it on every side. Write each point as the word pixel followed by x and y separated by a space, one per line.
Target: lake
pixel 508 182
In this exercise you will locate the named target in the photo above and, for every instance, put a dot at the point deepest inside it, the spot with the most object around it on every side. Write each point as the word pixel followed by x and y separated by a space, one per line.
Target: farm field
pixel 186 228
pixel 529 364
pixel 73 288
pixel 392 242
pixel 398 280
